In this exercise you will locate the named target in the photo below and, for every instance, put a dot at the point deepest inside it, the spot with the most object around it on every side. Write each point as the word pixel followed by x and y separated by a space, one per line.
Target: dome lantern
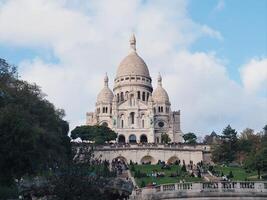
pixel 159 80
pixel 106 80
pixel 133 42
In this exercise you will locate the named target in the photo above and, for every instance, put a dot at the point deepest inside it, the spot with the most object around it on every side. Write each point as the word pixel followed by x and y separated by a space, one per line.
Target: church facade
pixel 134 110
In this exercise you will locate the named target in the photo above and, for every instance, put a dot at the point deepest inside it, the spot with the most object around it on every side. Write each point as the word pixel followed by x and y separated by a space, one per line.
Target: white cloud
pixel 254 75
pixel 89 38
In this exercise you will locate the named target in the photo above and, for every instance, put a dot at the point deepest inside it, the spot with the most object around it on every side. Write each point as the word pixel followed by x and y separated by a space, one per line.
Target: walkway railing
pixel 207 188
pixel 149 146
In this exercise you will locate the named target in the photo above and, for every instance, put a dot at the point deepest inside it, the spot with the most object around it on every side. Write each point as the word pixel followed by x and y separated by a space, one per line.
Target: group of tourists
pixel 118 165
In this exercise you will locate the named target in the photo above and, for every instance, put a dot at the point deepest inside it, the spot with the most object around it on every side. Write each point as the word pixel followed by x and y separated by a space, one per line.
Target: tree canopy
pixel 165 138
pixel 33 134
pixel 190 138
pixel 249 149
pixel 97 134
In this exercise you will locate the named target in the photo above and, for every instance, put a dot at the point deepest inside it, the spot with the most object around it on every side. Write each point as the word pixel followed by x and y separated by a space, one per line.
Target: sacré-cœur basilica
pixel 141 115
pixel 136 111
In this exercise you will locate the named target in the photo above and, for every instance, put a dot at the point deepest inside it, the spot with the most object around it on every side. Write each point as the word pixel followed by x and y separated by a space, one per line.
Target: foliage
pixel 257 161
pixel 7 192
pixel 239 173
pixel 183 168
pixel 139 174
pixel 172 175
pixel 98 134
pixel 230 175
pixel 223 153
pixel 77 181
pixel 143 184
pixel 165 138
pixel 190 138
pixel 33 135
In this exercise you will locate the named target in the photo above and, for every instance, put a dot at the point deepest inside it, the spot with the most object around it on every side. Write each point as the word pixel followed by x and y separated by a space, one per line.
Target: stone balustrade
pixel 177 146
pixel 205 189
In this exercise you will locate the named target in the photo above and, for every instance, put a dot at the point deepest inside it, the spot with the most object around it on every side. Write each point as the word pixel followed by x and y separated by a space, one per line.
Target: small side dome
pixel 105 95
pixel 160 95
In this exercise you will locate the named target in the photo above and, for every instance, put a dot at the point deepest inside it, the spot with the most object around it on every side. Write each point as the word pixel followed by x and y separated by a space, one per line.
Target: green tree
pixel 225 151
pixel 190 138
pixel 98 134
pixel 257 161
pixel 247 142
pixel 33 135
pixel 165 138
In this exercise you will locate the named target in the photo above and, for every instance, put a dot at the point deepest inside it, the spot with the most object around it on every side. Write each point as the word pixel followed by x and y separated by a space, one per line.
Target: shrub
pixel 143 184
pixel 230 175
pixel 132 168
pixel 183 168
pixel 8 192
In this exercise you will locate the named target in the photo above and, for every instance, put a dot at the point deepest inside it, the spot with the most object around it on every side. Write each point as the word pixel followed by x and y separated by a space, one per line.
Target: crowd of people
pixel 118 165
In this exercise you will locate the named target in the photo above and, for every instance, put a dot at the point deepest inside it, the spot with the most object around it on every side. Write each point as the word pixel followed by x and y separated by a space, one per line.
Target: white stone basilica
pixel 134 110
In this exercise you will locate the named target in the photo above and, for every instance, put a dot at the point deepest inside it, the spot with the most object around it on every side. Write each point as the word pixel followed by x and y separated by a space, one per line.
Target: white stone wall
pixel 153 155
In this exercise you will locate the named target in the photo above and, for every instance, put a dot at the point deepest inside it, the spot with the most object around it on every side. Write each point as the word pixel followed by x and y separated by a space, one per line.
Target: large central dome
pixel 133 64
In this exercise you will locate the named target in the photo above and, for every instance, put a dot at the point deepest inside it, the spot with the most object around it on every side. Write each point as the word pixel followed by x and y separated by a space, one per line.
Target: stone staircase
pixel 210 177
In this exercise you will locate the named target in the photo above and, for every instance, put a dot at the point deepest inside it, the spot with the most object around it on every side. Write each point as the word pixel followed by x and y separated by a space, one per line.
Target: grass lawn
pixel 239 173
pixel 162 180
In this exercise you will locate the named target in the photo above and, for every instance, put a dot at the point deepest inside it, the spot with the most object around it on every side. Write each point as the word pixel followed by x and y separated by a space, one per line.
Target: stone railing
pixel 238 188
pixel 153 146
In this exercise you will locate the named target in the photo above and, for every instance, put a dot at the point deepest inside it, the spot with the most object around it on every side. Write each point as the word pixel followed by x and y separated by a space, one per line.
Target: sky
pixel 212 54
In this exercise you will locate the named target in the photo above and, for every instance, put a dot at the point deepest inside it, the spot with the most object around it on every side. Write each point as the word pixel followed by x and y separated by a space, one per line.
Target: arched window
pixel 159 109
pixel 138 95
pixel 143 139
pixel 122 123
pixel 132 139
pixel 103 110
pixel 122 96
pixel 132 117
pixel 121 139
pixel 144 96
pixel 143 123
pixel 147 96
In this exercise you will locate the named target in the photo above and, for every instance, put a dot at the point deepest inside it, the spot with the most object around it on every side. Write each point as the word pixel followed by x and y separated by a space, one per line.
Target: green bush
pixel 183 168
pixel 143 184
pixel 8 192
pixel 230 175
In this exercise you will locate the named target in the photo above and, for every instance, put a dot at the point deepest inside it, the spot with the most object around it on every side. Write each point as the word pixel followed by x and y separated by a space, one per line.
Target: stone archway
pixel 132 138
pixel 143 138
pixel 121 139
pixel 120 158
pixel 173 159
pixel 148 159
pixel 104 124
